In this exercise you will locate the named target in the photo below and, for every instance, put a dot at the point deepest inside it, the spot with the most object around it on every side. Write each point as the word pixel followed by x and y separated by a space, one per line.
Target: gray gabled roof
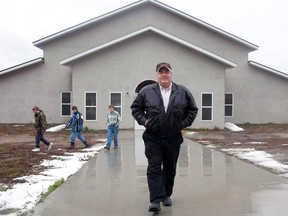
pixel 23 65
pixel 268 69
pixel 130 6
pixel 211 55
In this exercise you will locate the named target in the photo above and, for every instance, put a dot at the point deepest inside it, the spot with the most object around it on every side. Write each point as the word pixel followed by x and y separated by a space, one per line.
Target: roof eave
pixel 23 65
pixel 258 65
pixel 38 43
pixel 84 24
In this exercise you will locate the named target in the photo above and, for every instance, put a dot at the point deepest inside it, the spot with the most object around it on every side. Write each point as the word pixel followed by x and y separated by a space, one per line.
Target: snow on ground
pixel 233 127
pixel 24 196
pixel 259 158
pixel 56 128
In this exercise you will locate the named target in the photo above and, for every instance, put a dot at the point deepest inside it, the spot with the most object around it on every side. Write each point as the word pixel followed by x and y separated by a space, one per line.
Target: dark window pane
pixel 90 99
pixel 116 99
pixel 66 97
pixel 66 110
pixel 118 109
pixel 206 99
pixel 206 114
pixel 228 110
pixel 90 113
pixel 228 99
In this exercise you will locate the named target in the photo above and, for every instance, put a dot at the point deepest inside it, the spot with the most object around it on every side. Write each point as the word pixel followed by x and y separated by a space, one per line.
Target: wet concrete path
pixel 208 183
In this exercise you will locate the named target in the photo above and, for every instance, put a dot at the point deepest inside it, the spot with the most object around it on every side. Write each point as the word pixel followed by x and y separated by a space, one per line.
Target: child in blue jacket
pixel 76 122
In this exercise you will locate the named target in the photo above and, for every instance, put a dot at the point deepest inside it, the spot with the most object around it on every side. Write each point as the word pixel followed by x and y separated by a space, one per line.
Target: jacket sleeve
pixel 69 122
pixel 138 110
pixel 191 110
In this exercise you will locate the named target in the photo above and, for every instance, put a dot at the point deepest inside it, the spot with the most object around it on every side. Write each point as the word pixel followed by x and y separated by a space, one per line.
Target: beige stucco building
pixel 109 58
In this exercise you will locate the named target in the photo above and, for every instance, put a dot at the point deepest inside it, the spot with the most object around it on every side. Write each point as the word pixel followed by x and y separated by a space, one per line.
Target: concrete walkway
pixel 208 183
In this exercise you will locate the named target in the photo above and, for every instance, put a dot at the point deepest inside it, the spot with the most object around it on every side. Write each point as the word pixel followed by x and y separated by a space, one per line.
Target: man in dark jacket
pixel 40 126
pixel 76 123
pixel 164 108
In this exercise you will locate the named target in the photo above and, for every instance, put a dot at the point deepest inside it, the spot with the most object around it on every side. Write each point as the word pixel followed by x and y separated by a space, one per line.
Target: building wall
pixel 134 61
pixel 260 96
pixel 122 67
pixel 29 86
pixel 146 15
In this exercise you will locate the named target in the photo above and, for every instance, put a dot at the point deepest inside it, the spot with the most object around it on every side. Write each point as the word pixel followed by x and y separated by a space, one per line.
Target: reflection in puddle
pixel 207 161
pixel 140 158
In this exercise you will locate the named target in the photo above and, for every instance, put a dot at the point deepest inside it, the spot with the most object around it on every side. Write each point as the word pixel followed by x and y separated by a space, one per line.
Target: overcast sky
pixel 261 22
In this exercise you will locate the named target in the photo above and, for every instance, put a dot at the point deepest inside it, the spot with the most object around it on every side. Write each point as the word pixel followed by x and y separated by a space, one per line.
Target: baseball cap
pixel 163 64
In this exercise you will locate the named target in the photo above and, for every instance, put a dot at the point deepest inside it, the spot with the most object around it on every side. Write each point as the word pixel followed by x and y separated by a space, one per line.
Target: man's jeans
pixel 112 129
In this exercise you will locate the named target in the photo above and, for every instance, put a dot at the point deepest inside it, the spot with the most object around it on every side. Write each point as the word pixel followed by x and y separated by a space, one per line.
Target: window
pixel 116 100
pixel 207 106
pixel 65 103
pixel 90 106
pixel 229 99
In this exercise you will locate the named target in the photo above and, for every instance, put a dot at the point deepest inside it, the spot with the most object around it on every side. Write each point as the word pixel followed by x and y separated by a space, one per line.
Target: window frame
pixel 85 106
pixel 232 105
pixel 61 103
pixel 121 106
pixel 207 107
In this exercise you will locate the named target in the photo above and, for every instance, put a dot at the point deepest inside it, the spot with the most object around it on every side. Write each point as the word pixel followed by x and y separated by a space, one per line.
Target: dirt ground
pixel 17 141
pixel 271 138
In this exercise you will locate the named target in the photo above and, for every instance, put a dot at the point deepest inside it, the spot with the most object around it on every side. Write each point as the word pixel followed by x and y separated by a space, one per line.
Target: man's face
pixel 111 109
pixel 164 77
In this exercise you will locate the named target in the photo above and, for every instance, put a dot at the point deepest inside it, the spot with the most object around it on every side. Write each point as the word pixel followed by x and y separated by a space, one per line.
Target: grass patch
pixel 51 189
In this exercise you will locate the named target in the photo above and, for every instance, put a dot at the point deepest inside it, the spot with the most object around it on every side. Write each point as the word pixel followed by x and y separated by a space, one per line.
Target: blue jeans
pixel 80 137
pixel 112 129
pixel 39 137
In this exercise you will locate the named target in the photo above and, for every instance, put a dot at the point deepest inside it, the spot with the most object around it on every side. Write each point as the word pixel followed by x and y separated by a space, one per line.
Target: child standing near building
pixel 76 122
pixel 113 119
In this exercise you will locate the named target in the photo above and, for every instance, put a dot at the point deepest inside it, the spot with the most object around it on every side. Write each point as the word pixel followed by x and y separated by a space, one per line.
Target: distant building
pixel 108 59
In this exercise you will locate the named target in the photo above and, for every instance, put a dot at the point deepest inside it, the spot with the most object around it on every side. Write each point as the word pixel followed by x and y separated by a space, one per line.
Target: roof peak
pixel 39 42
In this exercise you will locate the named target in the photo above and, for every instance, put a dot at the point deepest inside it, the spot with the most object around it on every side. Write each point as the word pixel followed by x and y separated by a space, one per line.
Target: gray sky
pixel 261 22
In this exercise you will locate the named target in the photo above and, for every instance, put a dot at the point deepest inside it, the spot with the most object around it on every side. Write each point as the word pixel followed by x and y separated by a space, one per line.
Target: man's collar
pixel 167 89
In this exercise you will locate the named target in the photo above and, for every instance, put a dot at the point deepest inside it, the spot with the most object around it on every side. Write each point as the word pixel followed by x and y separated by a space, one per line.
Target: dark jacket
pixel 148 106
pixel 76 122
pixel 40 122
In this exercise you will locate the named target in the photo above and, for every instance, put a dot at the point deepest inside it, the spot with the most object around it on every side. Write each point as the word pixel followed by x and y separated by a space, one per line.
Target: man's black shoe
pixel 106 147
pixel 155 207
pixel 167 202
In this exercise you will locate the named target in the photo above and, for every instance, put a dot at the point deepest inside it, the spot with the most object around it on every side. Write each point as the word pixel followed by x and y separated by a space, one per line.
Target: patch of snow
pixel 237 143
pixel 206 142
pixel 24 196
pixel 233 127
pixel 258 143
pixel 56 128
pixel 102 140
pixel 260 158
pixel 191 133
